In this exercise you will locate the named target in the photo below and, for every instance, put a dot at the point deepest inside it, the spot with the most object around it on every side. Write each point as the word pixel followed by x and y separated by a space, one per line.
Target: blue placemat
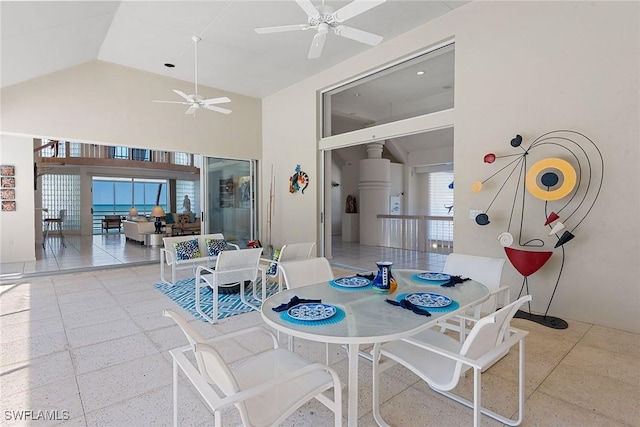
pixel 350 288
pixel 331 320
pixel 453 306
pixel 428 282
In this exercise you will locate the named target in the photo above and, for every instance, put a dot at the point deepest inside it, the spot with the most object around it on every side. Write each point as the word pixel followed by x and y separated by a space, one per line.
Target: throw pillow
pixel 169 218
pixel 187 249
pixel 215 246
pixel 273 267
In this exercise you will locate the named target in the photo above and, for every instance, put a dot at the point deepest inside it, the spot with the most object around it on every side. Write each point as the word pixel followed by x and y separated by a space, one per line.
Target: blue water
pixel 122 209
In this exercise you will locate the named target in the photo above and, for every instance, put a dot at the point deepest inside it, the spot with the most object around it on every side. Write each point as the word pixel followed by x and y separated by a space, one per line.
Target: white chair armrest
pixel 233 245
pixel 168 256
pixel 505 292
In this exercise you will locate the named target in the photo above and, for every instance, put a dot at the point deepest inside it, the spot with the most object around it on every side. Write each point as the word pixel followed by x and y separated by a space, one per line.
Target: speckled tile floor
pixel 93 346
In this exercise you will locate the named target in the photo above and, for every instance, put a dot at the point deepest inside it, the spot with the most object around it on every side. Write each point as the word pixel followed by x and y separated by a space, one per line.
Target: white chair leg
pixel 215 302
pixel 175 393
pixel 477 403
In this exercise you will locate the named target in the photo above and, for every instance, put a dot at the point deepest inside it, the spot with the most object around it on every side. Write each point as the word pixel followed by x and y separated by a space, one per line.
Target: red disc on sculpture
pixel 527 262
pixel 489 158
pixel 552 217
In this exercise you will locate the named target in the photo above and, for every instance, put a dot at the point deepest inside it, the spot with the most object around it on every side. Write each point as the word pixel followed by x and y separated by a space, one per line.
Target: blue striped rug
pixel 183 293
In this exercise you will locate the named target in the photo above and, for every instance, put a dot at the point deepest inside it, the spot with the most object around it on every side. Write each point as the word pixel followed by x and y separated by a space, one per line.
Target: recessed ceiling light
pixel 447 87
pixel 356 94
pixel 168 65
pixel 420 73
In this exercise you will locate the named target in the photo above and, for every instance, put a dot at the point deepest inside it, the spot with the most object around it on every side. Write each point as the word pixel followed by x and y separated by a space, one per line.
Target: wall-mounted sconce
pixel 335 184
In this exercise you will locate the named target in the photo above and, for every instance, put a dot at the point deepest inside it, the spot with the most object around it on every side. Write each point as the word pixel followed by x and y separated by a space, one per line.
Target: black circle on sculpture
pixel 549 179
pixel 515 142
pixel 482 219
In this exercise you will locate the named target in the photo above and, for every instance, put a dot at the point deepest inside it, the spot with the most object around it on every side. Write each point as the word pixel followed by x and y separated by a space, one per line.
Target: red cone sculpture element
pixel 527 262
pixel 552 217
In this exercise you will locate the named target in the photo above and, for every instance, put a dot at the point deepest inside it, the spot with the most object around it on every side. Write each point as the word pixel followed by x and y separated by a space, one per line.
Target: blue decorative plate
pixel 352 282
pixel 433 276
pixel 311 311
pixel 428 300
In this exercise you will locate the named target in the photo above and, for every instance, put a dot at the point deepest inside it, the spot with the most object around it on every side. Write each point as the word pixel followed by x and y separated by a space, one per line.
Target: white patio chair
pixel 306 272
pixel 485 270
pixel 232 268
pixel 265 389
pixel 297 274
pixel 289 252
pixel 439 360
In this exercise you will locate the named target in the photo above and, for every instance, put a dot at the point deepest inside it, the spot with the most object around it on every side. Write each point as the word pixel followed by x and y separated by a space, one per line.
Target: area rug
pixel 183 293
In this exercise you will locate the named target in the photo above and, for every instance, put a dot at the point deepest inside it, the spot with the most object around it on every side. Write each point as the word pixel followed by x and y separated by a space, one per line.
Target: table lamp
pixel 158 212
pixel 133 212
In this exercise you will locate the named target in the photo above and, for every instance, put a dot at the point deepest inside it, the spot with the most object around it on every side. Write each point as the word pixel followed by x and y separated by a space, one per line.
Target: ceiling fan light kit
pixel 323 17
pixel 195 101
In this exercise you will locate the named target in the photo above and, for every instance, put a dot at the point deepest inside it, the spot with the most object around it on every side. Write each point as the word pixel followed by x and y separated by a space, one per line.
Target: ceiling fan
pixel 323 17
pixel 195 101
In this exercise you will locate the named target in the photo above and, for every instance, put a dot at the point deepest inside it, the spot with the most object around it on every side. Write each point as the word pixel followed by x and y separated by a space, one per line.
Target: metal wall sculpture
pixel 299 181
pixel 568 185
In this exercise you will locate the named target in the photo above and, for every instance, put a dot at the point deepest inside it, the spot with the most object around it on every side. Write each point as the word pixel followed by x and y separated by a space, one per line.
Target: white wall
pixel 527 68
pixel 17 234
pixel 104 103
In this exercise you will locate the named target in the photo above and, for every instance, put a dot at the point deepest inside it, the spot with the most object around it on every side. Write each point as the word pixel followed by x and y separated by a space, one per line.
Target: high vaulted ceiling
pixel 42 37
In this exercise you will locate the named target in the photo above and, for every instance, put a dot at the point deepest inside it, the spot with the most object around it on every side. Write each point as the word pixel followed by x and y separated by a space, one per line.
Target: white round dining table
pixel 365 317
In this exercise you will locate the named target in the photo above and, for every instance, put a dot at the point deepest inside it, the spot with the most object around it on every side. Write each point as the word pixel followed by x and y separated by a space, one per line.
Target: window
pixel 440 193
pixel 62 192
pixel 440 203
pixel 115 196
pixel 414 87
pixel 191 189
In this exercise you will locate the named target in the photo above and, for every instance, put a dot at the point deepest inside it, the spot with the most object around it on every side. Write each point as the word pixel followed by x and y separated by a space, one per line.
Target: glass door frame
pixel 207 187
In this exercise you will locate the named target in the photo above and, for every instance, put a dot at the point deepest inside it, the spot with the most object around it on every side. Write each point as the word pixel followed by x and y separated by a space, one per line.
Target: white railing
pixel 418 232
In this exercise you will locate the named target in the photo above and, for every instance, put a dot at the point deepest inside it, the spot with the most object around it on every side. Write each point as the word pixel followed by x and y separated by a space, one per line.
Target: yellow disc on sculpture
pixel 568 183
pixel 476 187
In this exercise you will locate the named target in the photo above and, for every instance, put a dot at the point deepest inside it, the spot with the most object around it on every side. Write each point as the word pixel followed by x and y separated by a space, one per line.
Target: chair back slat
pixel 485 270
pixel 306 272
pixel 296 251
pixel 210 364
pixel 241 265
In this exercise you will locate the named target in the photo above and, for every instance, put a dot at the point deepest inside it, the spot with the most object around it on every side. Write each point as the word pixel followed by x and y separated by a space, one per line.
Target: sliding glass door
pixel 229 199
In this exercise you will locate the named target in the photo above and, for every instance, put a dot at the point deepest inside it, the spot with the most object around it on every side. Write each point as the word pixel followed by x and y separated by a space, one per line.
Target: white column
pixel 375 183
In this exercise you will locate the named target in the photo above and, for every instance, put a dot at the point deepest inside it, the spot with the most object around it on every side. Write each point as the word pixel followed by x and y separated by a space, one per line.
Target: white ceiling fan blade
pixel 358 35
pixel 182 94
pixel 282 28
pixel 192 109
pixel 173 102
pixel 308 8
pixel 316 45
pixel 220 100
pixel 356 7
pixel 218 109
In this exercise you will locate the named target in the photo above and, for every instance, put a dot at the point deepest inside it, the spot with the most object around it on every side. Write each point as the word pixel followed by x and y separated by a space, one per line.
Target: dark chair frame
pixel 112 221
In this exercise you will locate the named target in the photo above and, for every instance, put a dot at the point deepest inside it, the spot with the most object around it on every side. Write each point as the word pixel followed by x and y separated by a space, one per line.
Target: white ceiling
pixel 42 37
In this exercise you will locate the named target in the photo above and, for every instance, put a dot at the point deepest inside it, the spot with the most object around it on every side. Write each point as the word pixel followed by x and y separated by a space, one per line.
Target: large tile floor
pixel 93 346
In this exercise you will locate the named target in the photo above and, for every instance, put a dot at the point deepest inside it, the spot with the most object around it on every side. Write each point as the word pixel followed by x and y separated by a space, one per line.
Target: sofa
pixel 135 228
pixel 183 224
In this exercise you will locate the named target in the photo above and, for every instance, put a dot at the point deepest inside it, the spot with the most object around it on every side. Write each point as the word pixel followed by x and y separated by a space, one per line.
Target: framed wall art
pixel 8 205
pixel 7 170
